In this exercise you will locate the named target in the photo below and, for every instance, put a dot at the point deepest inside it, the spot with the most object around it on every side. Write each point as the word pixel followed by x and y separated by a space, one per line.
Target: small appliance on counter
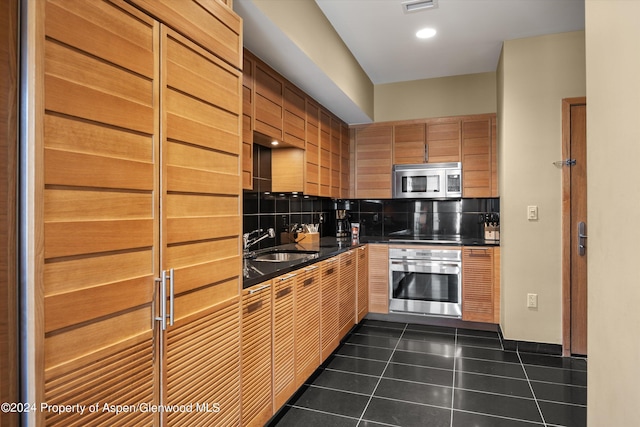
pixel 491 223
pixel 343 227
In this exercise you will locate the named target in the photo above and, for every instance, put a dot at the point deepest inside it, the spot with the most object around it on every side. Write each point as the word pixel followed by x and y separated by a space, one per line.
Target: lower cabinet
pixel 379 278
pixel 481 284
pixel 307 323
pixel 347 292
pixel 257 393
pixel 362 288
pixel 329 320
pixel 283 339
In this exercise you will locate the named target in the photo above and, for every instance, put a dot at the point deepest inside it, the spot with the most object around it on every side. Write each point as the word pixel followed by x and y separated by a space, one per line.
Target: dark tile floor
pixel 397 374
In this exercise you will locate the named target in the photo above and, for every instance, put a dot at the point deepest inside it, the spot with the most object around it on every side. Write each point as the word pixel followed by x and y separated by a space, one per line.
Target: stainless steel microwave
pixel 429 180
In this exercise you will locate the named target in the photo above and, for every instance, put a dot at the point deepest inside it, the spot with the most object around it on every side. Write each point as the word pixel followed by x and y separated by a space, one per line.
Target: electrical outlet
pixel 532 300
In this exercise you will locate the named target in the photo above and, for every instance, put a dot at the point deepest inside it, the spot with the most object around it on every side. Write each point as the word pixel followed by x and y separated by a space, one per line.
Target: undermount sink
pixel 285 256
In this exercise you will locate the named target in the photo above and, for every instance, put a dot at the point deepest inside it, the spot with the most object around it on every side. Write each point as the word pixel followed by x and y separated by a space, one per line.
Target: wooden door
pixel 478 295
pixel 362 301
pixel 347 292
pixel 256 375
pixel 307 324
pixel 476 156
pixel 329 307
pixel 373 161
pixel 574 213
pixel 379 278
pixel 312 151
pixel 201 226
pixel 444 140
pixel 100 145
pixel 284 373
pixel 409 143
pixel 325 153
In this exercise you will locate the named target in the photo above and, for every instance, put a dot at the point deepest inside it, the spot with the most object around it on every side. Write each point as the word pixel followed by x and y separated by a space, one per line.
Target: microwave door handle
pixel 426 152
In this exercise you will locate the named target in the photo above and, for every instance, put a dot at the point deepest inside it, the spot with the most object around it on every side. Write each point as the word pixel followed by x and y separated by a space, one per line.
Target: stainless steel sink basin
pixel 285 256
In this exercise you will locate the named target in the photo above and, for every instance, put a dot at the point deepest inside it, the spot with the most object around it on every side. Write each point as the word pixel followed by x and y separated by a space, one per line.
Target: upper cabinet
pixel 409 143
pixel 479 177
pixel 373 161
pixel 277 110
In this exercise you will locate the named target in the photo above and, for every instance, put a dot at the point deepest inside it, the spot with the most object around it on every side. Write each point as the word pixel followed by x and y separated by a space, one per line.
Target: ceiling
pixel 381 37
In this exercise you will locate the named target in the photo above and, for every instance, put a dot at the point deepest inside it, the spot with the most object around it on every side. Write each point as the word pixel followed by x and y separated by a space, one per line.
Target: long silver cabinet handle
pixel 171 298
pixel 261 288
pixel 287 277
pixel 163 300
pixel 311 268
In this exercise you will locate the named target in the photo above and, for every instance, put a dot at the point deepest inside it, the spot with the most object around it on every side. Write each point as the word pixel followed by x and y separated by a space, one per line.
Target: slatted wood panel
pixel 344 162
pixel 444 140
pixel 203 359
pixel 373 162
pixel 268 109
pixel 307 324
pixel 325 153
pixel 409 143
pixel 378 278
pixel 283 339
pixel 495 192
pixel 347 291
pixel 477 284
pixel 100 214
pixel 362 300
pixel 329 297
pixel 476 157
pixel 247 121
pixel 294 117
pixel 336 158
pixel 257 393
pixel 312 151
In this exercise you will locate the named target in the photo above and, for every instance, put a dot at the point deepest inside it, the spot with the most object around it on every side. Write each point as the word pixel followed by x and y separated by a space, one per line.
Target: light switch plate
pixel 532 213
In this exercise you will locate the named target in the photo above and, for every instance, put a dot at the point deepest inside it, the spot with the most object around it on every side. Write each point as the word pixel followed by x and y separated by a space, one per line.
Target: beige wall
pixel 445 96
pixel 613 150
pixel 535 74
pixel 305 24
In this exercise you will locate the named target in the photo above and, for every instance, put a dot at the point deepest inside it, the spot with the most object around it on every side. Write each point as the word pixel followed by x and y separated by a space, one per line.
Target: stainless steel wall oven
pixel 425 281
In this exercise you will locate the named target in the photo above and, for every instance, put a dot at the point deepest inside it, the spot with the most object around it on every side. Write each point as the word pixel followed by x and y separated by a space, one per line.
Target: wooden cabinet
pixel 378 278
pixel 345 143
pixel 248 95
pixel 123 103
pixel 409 143
pixel 329 300
pixel 347 292
pixel 478 156
pixel 325 153
pixel 481 284
pixel 336 158
pixel 268 108
pixel 444 138
pixel 373 161
pixel 256 372
pixel 307 325
pixel 312 150
pixel 362 288
pixel 284 374
pixel 294 117
pixel 287 170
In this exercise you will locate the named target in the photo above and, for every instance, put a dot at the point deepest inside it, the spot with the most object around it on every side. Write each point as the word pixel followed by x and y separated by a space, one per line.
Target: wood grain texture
pixel 478 285
pixel 378 278
pixel 362 300
pixel 329 316
pixel 307 325
pixel 477 156
pixel 347 292
pixel 409 143
pixel 284 371
pixel 374 158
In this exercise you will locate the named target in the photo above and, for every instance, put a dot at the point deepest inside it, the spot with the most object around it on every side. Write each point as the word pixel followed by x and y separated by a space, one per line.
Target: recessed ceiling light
pixel 426 33
pixel 274 142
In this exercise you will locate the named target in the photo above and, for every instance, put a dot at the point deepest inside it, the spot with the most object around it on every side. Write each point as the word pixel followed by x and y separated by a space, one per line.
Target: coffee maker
pixel 343 227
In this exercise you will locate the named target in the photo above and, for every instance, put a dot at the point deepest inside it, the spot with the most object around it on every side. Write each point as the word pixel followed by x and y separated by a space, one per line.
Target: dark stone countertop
pixel 255 272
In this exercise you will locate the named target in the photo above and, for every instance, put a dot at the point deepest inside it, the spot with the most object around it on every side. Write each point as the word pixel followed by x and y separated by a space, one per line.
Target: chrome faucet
pixel 253 237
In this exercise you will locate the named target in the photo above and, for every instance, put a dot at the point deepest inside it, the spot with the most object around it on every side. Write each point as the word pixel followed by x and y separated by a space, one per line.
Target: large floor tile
pixel 295 417
pixel 422 359
pixel 345 381
pixel 431 347
pixel 554 361
pixel 490 367
pixel 365 352
pixel 493 404
pixel 372 341
pixel 556 375
pixel 406 414
pixel 378 332
pixel 560 393
pixel 564 415
pixel 488 354
pixel 352 364
pixel 419 374
pixel 432 337
pixel 383 324
pixel 468 419
pixel 493 384
pixel 482 342
pixel 431 328
pixel 331 401
pixel 415 392
pixel 478 333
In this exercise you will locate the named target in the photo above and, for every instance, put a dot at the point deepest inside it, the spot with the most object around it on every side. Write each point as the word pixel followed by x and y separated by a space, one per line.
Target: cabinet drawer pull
pixel 287 277
pixel 330 271
pixel 254 306
pixel 313 267
pixel 283 292
pixel 308 281
pixel 261 288
pixel 349 262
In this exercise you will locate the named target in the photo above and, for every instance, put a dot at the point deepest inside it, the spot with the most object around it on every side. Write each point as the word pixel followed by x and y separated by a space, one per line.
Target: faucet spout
pixel 249 240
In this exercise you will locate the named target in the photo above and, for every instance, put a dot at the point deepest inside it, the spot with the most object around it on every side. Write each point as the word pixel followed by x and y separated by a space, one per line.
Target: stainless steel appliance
pixel 343 227
pixel 425 281
pixel 434 181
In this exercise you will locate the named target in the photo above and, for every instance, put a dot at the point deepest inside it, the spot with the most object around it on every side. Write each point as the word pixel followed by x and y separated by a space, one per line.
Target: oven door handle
pixel 426 263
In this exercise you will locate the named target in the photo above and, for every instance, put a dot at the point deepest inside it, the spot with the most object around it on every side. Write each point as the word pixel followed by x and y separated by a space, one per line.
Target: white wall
pixel 613 150
pixel 534 74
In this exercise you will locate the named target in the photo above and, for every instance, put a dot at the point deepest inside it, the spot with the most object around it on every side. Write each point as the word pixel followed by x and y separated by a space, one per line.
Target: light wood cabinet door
pixel 478 285
pixel 268 109
pixel 378 278
pixel 347 290
pixel 284 373
pixel 477 156
pixel 325 153
pixel 307 325
pixel 248 95
pixel 294 117
pixel 329 316
pixel 336 158
pixel 345 142
pixel 256 374
pixel 373 162
pixel 444 138
pixel 287 171
pixel 409 143
pixel 312 151
pixel 362 300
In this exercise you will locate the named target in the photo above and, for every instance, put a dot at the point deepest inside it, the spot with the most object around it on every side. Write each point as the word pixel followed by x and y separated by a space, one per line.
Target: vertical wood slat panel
pixel 347 292
pixel 307 325
pixel 362 302
pixel 283 339
pixel 477 284
pixel 329 317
